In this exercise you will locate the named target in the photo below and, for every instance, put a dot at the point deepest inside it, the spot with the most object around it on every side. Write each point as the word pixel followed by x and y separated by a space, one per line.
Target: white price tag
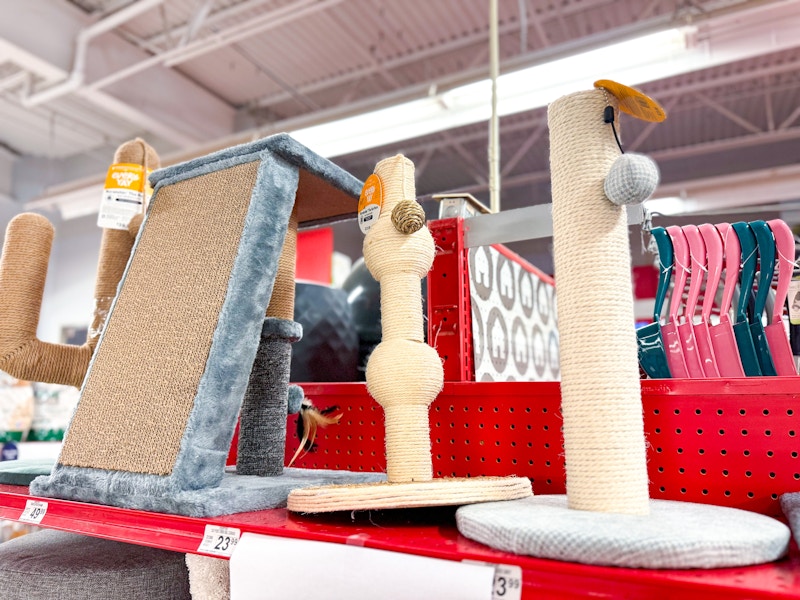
pixel 33 512
pixel 794 301
pixel 219 540
pixel 507 583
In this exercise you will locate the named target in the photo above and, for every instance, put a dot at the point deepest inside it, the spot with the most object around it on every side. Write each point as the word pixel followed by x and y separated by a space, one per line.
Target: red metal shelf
pixel 425 532
pixel 514 427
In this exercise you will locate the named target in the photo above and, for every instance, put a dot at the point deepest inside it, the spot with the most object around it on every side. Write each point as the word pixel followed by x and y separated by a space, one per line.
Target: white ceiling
pixel 78 77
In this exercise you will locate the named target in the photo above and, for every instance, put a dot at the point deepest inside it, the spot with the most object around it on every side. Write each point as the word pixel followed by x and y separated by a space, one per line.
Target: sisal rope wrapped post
pixel 601 398
pixel 404 374
pixel 23 270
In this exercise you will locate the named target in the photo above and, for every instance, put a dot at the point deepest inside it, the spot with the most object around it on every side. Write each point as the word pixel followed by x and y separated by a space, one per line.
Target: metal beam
pixel 528 223
pixel 58 24
pixel 727 113
pixel 218 16
pixel 668 106
pixel 523 149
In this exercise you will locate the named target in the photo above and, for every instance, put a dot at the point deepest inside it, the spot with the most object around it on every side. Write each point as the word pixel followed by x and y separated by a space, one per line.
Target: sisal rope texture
pixel 404 374
pixel 601 399
pixel 23 270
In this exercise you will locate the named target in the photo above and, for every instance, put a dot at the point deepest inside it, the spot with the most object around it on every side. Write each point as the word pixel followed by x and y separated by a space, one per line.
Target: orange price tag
pixel 126 190
pixel 633 102
pixel 370 203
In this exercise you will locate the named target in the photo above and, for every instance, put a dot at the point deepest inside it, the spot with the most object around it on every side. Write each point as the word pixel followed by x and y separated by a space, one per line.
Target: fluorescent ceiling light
pixel 631 62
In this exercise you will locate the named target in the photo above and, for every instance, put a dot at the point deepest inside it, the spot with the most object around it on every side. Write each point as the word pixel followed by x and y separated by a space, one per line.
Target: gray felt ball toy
pixel 632 179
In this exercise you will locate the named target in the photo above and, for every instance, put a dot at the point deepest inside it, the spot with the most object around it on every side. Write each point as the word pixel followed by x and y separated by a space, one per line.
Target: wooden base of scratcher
pixel 437 492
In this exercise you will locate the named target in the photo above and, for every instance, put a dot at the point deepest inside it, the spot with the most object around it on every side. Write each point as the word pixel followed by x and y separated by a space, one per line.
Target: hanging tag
pixel 794 302
pixel 219 540
pixel 33 512
pixel 370 203
pixel 633 102
pixel 123 196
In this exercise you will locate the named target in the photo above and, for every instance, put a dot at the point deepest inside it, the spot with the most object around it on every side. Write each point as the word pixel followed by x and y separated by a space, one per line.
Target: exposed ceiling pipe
pixel 85 36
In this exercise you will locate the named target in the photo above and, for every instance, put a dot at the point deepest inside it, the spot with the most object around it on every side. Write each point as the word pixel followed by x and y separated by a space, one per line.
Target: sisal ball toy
pixel 632 179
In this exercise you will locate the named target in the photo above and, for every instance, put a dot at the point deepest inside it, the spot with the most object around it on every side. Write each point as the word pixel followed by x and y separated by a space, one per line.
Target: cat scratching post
pixel 404 374
pixel 23 270
pixel 600 395
pixel 159 404
pixel 606 516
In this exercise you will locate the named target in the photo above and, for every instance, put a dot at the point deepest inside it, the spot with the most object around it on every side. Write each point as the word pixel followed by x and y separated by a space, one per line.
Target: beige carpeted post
pixel 23 270
pixel 601 399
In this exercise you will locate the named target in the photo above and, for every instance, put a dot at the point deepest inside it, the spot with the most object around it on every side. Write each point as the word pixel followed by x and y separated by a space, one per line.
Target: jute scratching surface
pixel 601 400
pixel 23 271
pixel 163 333
pixel 281 303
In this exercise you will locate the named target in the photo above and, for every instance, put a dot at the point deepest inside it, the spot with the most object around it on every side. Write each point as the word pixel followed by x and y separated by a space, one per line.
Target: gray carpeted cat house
pixel 187 344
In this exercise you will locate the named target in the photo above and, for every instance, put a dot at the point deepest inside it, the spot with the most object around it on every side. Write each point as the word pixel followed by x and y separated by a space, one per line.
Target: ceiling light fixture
pixel 634 61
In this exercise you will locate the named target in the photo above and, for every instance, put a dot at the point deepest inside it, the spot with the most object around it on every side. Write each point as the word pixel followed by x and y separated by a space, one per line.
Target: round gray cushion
pixel 675 535
pixel 56 565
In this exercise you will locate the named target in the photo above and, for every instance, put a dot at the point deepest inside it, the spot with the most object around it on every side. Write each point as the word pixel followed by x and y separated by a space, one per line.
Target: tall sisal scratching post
pixel 600 393
pixel 404 374
pixel 606 517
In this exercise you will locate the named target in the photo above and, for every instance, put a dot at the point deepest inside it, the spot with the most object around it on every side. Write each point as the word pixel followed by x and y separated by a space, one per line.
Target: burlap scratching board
pixel 606 516
pixel 404 374
pixel 159 404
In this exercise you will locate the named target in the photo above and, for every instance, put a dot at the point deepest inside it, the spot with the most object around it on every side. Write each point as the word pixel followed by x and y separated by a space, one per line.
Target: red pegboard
pixel 730 443
pixel 449 313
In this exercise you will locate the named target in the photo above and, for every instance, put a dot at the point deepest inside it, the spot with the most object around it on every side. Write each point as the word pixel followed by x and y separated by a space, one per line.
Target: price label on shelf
pixel 507 583
pixel 219 540
pixel 33 512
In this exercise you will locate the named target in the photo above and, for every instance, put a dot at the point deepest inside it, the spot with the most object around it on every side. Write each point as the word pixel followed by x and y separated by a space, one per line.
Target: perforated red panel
pixel 732 443
pixel 721 442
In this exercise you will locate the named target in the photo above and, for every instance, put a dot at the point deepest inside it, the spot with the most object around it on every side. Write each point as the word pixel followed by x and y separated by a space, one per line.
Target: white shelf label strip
pixel 293 568
pixel 33 512
pixel 219 540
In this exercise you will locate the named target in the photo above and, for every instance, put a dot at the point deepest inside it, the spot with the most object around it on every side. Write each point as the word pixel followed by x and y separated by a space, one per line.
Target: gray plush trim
pixel 675 535
pixel 281 329
pixel 790 504
pixel 295 401
pixel 235 493
pixel 209 430
pixel 206 440
pixel 281 144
